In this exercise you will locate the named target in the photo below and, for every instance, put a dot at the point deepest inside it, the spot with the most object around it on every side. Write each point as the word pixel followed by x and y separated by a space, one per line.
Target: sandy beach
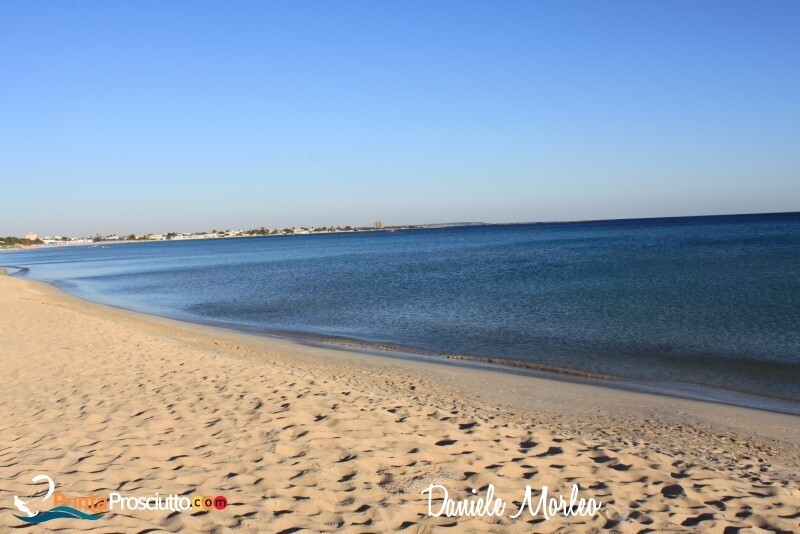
pixel 302 437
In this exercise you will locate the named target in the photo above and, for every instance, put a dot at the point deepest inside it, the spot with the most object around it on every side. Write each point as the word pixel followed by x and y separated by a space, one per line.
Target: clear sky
pixel 186 116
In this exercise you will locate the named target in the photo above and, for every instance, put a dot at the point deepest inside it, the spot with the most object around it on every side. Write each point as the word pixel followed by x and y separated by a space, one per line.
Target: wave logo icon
pixel 58 512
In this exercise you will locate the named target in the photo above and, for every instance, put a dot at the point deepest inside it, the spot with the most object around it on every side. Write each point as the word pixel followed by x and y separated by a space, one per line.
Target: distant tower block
pixel 378 224
pixel 33 237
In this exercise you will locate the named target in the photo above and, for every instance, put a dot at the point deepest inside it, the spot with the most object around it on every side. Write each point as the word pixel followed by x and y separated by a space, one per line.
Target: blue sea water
pixel 693 303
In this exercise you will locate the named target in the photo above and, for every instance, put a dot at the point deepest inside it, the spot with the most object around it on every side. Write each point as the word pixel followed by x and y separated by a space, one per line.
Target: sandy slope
pixel 302 437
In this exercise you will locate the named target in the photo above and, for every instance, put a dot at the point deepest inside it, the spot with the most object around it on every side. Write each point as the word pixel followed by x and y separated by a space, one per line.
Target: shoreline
pixel 297 436
pixel 679 390
pixel 438 365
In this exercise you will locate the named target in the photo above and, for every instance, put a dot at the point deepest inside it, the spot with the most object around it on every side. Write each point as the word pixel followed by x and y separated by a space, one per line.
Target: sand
pixel 302 437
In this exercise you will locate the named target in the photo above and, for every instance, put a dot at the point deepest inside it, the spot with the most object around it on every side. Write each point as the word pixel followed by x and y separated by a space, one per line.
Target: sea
pixel 698 307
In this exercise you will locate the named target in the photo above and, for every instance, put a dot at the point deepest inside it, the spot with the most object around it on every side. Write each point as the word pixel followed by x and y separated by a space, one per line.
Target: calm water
pixel 688 302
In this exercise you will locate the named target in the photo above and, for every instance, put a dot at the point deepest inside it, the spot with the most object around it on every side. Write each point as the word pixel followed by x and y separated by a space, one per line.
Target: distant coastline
pixel 59 241
pixel 310 230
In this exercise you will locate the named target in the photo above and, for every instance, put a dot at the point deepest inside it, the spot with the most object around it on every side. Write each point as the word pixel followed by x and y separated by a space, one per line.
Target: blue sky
pixel 182 116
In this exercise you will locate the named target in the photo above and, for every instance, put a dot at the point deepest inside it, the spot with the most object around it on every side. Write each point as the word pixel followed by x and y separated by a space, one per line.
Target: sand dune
pixel 300 437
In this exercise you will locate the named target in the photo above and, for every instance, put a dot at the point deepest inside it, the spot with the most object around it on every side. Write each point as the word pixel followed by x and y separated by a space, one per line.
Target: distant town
pixel 33 240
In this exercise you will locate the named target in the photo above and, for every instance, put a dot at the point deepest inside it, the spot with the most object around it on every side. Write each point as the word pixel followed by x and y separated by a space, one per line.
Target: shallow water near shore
pixel 700 302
